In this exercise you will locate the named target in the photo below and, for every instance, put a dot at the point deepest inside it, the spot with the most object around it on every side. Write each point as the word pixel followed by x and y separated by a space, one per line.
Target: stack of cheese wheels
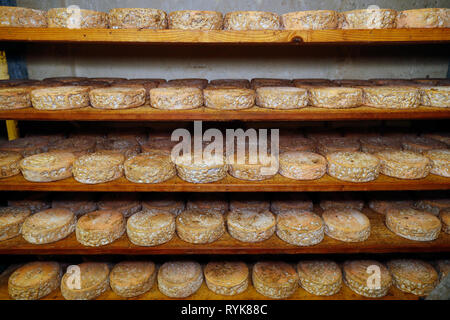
pixel 34 280
pixel 176 98
pixel 347 225
pixel 98 167
pixel 148 84
pixel 208 203
pixel 63 18
pixel 291 202
pixel 201 169
pixel 151 228
pixel 86 281
pixel 369 19
pixel 353 166
pixel 125 97
pixel 128 147
pixel 9 163
pixel 46 167
pixel 379 144
pixel 251 20
pixel 391 97
pixel 276 280
pixel 180 279
pixel 443 267
pixel 14 98
pixel 335 97
pixel 413 224
pixel 195 226
pixel 310 20
pixel 320 277
pixel 227 278
pixel 137 18
pixel 35 202
pixel 240 83
pixel 294 142
pixel 27 146
pixel 421 144
pixel 164 202
pixel 302 165
pixel 440 160
pixel 49 226
pixel 78 203
pixel 229 98
pixel 100 228
pixel 282 98
pixel 424 18
pixel 11 221
pixel 251 226
pixel 300 228
pixel 438 97
pixel 413 276
pixel 257 168
pixel 22 17
pixel 404 164
pixel 358 272
pixel 132 278
pixel 78 146
pixel 434 204
pixel 125 203
pixel 337 144
pixel 270 82
pixel 444 215
pixel 195 20
pixel 150 167
pixel 60 98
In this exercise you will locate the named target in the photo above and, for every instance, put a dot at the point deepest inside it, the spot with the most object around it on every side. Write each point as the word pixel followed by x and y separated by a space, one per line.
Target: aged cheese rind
pixel 404 164
pixel 151 167
pixel 98 167
pixel 353 166
pixel 9 163
pixel 199 227
pixel 11 221
pixel 320 277
pixel 356 277
pixel 180 279
pixel 251 226
pixel 347 225
pixel 413 224
pixel 300 228
pixel 391 97
pixel 22 17
pixel 60 98
pixel 176 98
pixel 67 18
pixel 335 97
pixel 229 98
pixel 49 226
pixel 153 228
pixel 94 280
pixel 227 278
pixel 195 20
pixel 265 167
pixel 132 278
pixel 137 18
pixel 369 19
pixel 205 170
pixel 424 18
pixel 46 167
pixel 34 280
pixel 302 165
pixel 438 97
pixel 14 98
pixel 251 20
pixel 413 276
pixel 282 98
pixel 100 228
pixel 310 20
pixel 118 97
pixel 277 280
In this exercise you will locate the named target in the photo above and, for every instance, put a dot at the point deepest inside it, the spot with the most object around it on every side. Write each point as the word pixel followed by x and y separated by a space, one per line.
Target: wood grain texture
pixel 381 240
pixel 205 294
pixel 253 114
pixel 393 36
pixel 230 184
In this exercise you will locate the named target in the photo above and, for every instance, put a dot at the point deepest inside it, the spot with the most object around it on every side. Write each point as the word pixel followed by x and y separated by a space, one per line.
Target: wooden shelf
pixel 253 114
pixel 230 184
pixel 205 294
pixel 381 240
pixel 227 37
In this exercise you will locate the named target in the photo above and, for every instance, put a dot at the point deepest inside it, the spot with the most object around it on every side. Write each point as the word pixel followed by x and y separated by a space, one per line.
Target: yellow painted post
pixel 11 125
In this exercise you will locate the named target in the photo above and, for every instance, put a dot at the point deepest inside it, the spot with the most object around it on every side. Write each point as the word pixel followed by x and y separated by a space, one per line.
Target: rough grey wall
pixel 240 61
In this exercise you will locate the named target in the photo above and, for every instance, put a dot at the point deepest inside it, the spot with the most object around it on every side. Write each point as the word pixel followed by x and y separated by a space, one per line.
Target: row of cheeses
pixel 181 279
pixel 226 94
pixel 146 18
pixel 154 227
